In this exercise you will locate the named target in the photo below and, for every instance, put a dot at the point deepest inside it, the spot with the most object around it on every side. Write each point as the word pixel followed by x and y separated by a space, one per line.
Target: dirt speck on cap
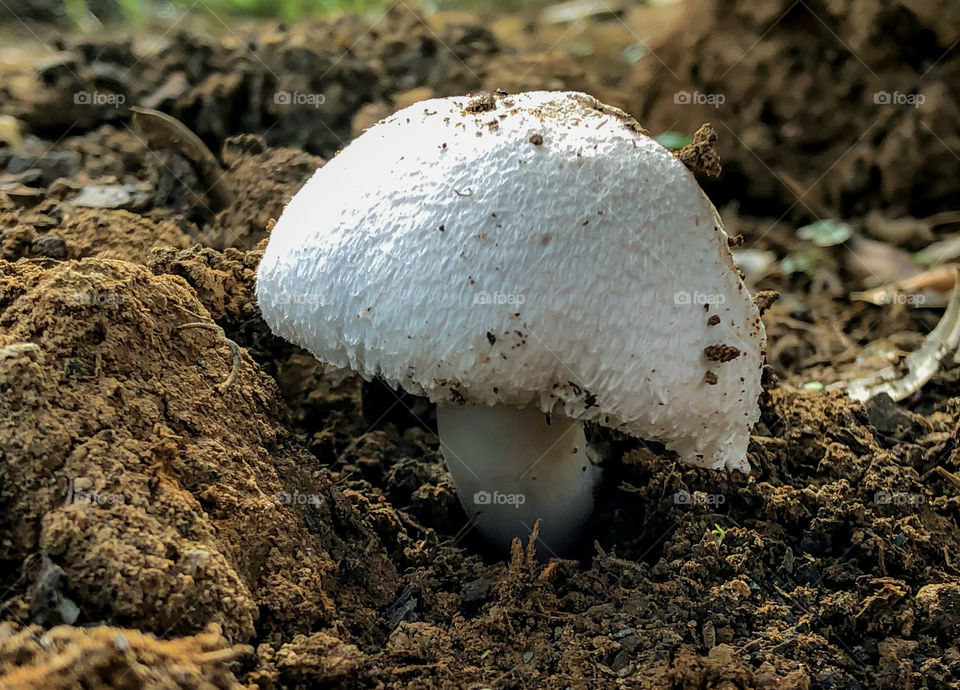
pixel 481 103
pixel 721 353
pixel 628 120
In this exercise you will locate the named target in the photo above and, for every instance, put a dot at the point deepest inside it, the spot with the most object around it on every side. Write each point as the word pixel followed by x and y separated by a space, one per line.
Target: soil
pixel 771 75
pixel 171 517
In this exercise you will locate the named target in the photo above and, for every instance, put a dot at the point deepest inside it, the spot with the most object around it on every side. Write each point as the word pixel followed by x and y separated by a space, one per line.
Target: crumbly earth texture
pixel 165 525
pixel 771 75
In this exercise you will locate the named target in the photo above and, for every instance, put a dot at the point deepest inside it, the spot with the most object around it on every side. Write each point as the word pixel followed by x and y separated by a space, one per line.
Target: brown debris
pixel 66 658
pixel 481 104
pixel 628 120
pixel 721 353
pixel 701 156
pixel 764 299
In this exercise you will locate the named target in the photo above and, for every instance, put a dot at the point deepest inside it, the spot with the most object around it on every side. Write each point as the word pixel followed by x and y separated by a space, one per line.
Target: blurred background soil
pixel 187 501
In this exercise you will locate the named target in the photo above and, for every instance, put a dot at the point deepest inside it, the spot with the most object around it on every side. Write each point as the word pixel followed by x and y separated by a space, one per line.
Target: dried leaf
pixel 927 289
pixel 920 365
pixel 826 233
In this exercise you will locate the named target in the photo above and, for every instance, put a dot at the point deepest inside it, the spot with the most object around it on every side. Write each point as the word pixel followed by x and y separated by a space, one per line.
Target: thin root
pixel 949 476
pixel 234 348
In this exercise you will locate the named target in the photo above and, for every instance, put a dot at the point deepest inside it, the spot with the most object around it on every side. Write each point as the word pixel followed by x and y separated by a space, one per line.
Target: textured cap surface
pixel 532 249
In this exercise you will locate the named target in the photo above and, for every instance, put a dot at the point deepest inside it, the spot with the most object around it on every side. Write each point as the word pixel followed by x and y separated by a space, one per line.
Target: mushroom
pixel 530 263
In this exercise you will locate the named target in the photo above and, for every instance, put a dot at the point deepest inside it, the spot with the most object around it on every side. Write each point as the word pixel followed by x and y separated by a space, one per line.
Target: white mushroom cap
pixel 537 249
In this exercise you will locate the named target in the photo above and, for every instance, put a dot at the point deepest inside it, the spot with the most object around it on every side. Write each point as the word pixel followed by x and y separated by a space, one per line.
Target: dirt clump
pixel 480 104
pixel 264 180
pixel 771 77
pixel 700 155
pixel 25 232
pixel 109 234
pixel 313 660
pixel 298 85
pixel 59 231
pixel 167 502
pixel 67 658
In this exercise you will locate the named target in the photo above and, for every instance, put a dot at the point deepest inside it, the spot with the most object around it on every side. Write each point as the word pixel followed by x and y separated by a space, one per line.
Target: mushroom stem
pixel 514 466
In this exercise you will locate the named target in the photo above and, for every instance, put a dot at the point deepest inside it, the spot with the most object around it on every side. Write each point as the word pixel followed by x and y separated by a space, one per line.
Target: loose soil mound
pixel 850 105
pixel 298 86
pixel 167 499
pixel 64 657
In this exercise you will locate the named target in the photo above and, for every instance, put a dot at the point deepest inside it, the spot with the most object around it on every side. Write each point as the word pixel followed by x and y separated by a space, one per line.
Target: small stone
pixel 476 591
pixel 52 246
